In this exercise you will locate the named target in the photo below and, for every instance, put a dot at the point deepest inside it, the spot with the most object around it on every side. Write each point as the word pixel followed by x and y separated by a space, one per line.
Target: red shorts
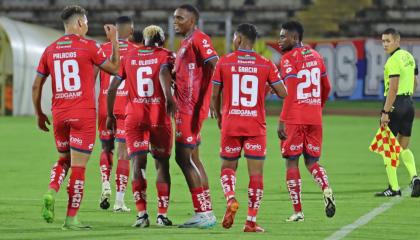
pixel 254 147
pixel 139 137
pixel 306 139
pixel 77 133
pixel 108 135
pixel 187 129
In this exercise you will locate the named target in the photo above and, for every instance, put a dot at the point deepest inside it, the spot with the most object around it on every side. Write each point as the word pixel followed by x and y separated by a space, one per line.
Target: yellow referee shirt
pixel 400 64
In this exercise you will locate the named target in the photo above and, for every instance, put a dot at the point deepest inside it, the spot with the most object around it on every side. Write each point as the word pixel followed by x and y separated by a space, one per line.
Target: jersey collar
pixel 395 51
pixel 245 50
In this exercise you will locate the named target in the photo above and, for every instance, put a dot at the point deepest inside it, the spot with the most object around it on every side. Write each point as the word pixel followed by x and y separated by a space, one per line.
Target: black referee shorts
pixel 402 117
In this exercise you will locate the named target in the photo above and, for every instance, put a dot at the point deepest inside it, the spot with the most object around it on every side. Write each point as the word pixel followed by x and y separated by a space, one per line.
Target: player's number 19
pixel 247 84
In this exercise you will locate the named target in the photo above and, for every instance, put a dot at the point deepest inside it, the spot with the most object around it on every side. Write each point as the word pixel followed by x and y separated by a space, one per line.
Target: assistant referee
pixel 398 112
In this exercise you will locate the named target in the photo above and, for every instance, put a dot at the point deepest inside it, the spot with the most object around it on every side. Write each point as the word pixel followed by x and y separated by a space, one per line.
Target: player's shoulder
pixel 199 36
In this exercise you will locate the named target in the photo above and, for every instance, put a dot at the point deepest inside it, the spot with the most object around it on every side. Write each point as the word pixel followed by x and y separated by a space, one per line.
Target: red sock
pixel 105 165
pixel 206 192
pixel 200 201
pixel 228 180
pixel 163 193
pixel 139 187
pixel 75 190
pixel 58 173
pixel 255 195
pixel 294 183
pixel 319 175
pixel 121 178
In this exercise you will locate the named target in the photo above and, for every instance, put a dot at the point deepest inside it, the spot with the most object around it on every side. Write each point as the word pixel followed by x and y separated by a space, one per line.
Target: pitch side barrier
pixel 355 66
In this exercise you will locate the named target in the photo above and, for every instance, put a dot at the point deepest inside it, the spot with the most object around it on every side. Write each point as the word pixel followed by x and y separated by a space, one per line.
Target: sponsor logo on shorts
pixel 178 134
pixel 189 139
pixel 105 133
pixel 90 146
pixel 143 143
pixel 76 140
pixel 62 144
pixel 313 148
pixel 296 147
pixel 120 131
pixel 232 149
pixel 254 147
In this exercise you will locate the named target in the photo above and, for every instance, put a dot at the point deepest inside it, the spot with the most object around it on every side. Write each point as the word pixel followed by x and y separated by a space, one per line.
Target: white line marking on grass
pixel 346 230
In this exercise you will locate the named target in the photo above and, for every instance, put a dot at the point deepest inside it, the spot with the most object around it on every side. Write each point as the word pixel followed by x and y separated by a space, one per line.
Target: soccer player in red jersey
pixel 194 65
pixel 147 74
pixel 70 61
pixel 124 26
pixel 300 126
pixel 240 77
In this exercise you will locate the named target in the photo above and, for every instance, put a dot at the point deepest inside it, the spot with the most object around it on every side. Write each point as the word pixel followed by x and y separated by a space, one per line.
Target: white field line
pixel 363 220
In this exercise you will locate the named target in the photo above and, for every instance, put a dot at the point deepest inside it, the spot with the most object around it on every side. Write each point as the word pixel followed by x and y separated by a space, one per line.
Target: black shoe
pixel 388 193
pixel 163 221
pixel 415 186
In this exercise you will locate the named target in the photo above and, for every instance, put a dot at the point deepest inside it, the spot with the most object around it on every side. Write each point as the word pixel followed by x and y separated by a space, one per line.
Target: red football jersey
pixel 140 69
pixel 105 79
pixel 193 89
pixel 308 87
pixel 70 62
pixel 243 76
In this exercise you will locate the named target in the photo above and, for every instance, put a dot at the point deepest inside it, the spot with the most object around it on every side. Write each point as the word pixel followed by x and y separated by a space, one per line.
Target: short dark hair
pixel 138 36
pixel 70 11
pixel 391 31
pixel 248 30
pixel 190 8
pixel 124 20
pixel 294 26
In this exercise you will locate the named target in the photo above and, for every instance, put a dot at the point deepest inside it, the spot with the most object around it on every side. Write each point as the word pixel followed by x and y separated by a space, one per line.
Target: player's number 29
pixel 70 71
pixel 312 77
pixel 247 84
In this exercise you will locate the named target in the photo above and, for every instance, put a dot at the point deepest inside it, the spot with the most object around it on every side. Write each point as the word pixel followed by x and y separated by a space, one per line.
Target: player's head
pixel 153 36
pixel 291 34
pixel 75 20
pixel 390 40
pixel 137 37
pixel 245 36
pixel 185 18
pixel 125 26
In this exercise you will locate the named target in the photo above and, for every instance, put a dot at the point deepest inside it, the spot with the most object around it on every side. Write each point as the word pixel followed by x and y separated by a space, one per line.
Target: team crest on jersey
pixel 288 70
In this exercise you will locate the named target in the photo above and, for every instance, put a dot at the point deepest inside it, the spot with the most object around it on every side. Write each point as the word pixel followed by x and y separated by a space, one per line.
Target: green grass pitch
pixel 27 154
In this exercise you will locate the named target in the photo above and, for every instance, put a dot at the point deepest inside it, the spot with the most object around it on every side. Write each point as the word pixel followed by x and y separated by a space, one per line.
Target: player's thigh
pixel 83 134
pixel 313 142
pixel 230 147
pixel 161 141
pixel 292 146
pixel 137 138
pixel 255 147
pixel 61 130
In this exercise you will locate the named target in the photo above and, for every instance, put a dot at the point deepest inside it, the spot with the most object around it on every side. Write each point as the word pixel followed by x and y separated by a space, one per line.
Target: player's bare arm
pixel 212 64
pixel 42 119
pixel 113 65
pixel 280 90
pixel 165 79
pixel 110 100
pixel 215 105
pixel 390 98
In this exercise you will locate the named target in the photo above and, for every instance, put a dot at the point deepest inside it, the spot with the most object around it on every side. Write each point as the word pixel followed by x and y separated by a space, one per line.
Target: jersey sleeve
pixel 286 69
pixel 325 85
pixel 205 48
pixel 217 80
pixel 168 60
pixel 98 55
pixel 274 77
pixel 43 69
pixel 393 68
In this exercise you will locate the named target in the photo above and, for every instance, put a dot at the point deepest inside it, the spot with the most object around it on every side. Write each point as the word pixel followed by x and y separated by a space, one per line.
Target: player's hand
pixel 42 122
pixel 111 123
pixel 384 120
pixel 281 131
pixel 111 32
pixel 171 107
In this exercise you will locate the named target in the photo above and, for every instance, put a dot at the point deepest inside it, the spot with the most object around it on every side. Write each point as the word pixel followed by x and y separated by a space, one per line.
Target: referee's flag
pixel 385 144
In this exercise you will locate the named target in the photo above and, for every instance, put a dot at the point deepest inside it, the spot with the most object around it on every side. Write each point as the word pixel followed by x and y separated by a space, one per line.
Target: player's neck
pixel 190 32
pixel 298 45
